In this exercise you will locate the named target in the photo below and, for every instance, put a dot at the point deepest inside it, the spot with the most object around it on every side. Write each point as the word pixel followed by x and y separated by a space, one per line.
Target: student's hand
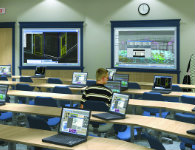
pixel 81 106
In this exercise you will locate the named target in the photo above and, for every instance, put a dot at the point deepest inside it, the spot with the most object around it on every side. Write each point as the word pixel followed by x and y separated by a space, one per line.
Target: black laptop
pixel 115 86
pixel 162 84
pixel 117 109
pixel 124 78
pixel 3 94
pixel 73 128
pixel 79 79
pixel 111 73
pixel 39 72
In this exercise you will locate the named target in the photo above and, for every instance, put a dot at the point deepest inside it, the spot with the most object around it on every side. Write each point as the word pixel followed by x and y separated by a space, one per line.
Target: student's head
pixel 101 76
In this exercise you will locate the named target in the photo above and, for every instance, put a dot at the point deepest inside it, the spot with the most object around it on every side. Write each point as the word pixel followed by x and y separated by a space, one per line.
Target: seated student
pixel 98 91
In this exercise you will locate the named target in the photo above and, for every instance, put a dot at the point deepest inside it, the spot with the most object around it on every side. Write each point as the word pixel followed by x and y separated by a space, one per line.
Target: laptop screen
pixel 40 70
pixel 79 78
pixel 115 86
pixel 74 121
pixel 111 72
pixel 119 103
pixel 162 82
pixel 3 93
pixel 124 78
pixel 5 70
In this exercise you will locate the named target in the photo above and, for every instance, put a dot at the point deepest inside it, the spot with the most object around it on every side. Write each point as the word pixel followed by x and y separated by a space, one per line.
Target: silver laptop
pixel 124 78
pixel 117 109
pixel 111 73
pixel 162 84
pixel 3 94
pixel 73 128
pixel 79 79
pixel 115 86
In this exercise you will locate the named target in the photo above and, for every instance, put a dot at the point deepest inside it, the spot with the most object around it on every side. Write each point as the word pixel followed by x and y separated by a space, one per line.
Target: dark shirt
pixel 97 92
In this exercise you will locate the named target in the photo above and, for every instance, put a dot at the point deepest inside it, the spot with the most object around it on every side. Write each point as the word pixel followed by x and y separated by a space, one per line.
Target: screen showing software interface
pixel 74 121
pixel 124 78
pixel 3 92
pixel 5 70
pixel 114 86
pixel 111 72
pixel 119 103
pixel 162 82
pixel 79 78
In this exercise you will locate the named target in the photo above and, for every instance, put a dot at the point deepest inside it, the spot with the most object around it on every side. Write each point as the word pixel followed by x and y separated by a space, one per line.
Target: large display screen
pixel 51 46
pixel 145 47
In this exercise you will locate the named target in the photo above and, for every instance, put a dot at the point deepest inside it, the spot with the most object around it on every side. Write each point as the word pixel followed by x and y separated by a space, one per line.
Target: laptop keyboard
pixel 107 115
pixel 63 140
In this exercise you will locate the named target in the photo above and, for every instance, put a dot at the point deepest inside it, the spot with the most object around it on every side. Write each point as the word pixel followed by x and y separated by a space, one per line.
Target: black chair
pixel 175 88
pixel 188 99
pixel 134 85
pixel 48 101
pixel 96 126
pixel 64 90
pixel 54 81
pixel 24 87
pixel 3 78
pixel 154 142
pixel 91 82
pixel 26 79
pixel 38 123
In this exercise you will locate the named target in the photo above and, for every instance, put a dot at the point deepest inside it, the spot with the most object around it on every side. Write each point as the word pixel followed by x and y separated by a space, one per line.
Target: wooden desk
pixel 34 137
pixel 178 107
pixel 159 124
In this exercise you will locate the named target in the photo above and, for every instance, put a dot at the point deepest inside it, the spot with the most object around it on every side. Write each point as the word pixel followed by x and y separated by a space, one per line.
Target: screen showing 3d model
pixel 145 47
pixel 51 47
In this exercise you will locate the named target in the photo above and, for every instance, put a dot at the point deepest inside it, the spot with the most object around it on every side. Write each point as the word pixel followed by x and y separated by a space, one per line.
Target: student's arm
pixel 81 106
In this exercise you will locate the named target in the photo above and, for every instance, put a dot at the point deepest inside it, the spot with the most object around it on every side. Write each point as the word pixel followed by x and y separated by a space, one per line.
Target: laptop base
pixel 108 116
pixel 2 103
pixel 65 140
pixel 38 76
pixel 76 86
pixel 161 91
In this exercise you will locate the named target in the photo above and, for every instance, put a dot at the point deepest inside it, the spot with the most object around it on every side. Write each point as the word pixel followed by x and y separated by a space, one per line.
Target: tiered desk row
pixel 33 137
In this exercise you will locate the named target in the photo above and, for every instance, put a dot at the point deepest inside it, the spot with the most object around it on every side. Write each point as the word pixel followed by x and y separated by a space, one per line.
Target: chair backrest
pixel 23 87
pixel 152 96
pixel 133 85
pixel 95 105
pixel 154 142
pixel 54 81
pixel 26 79
pixel 3 78
pixel 188 118
pixel 62 90
pixel 176 88
pixel 45 101
pixel 37 123
pixel 91 82
pixel 188 99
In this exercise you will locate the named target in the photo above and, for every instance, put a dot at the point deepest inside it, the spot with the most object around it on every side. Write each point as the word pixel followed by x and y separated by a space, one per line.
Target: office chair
pixel 48 101
pixel 134 85
pixel 188 118
pixel 26 79
pixel 64 90
pixel 37 123
pixel 175 88
pixel 5 116
pixel 54 81
pixel 3 78
pixel 154 142
pixel 24 87
pixel 95 126
pixel 153 111
pixel 91 82
pixel 188 99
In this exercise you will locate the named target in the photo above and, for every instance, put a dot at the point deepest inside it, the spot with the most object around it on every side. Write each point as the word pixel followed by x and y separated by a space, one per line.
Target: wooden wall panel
pixel 5 46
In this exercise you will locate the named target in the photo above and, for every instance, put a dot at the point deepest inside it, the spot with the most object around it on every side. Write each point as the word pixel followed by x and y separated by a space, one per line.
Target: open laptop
pixel 5 70
pixel 162 84
pixel 73 127
pixel 124 78
pixel 117 109
pixel 79 79
pixel 39 72
pixel 111 73
pixel 115 86
pixel 3 94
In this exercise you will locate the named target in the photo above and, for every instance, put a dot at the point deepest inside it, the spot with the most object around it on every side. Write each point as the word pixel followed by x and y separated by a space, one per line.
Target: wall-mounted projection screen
pixel 51 47
pixel 145 47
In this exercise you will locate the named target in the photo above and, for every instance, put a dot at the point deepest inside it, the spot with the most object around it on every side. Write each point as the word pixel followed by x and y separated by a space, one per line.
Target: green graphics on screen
pixel 2 96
